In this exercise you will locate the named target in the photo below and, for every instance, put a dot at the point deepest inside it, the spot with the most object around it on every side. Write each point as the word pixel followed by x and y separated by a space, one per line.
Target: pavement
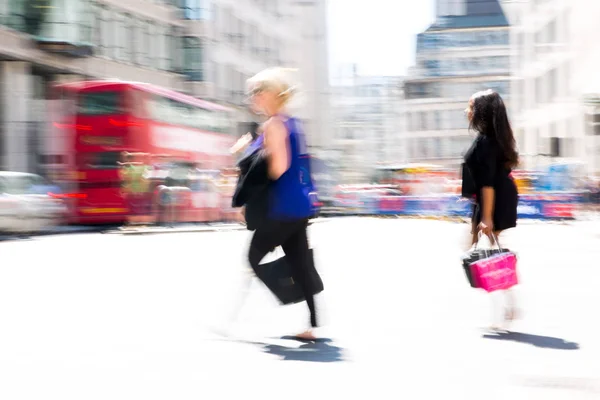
pixel 148 317
pixel 140 230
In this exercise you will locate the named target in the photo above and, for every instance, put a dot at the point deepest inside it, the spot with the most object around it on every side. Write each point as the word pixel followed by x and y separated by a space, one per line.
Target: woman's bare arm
pixel 278 147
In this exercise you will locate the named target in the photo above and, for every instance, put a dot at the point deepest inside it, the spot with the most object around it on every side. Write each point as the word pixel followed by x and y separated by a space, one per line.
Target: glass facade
pixel 483 7
pixel 21 16
pixel 195 9
pixel 464 90
pixel 448 40
pixel 59 20
pixel 125 37
pixel 466 66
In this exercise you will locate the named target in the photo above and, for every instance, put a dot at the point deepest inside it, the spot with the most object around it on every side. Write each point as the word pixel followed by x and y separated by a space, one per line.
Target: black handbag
pixel 277 276
pixel 476 254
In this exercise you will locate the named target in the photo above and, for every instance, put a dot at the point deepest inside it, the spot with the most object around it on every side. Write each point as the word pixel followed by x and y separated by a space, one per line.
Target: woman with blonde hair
pixel 287 205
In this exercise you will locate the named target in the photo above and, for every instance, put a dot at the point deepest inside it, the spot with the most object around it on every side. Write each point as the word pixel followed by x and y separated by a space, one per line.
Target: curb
pixel 194 229
pixel 54 232
pixel 163 230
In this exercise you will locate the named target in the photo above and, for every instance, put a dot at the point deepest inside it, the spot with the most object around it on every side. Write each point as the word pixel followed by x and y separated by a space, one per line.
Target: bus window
pixel 100 103
pixel 137 104
pixel 99 160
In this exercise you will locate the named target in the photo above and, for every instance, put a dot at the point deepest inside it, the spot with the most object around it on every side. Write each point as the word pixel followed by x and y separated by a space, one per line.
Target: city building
pixel 464 51
pixel 207 48
pixel 312 59
pixel 368 122
pixel 556 91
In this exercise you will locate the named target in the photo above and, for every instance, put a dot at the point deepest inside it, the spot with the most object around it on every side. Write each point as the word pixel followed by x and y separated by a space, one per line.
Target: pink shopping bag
pixel 498 272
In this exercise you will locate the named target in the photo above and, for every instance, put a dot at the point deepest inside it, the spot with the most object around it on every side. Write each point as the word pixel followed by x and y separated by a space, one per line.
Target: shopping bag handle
pixel 494 240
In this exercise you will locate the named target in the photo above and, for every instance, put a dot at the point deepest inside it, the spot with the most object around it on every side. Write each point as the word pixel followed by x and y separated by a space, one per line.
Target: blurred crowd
pixel 160 190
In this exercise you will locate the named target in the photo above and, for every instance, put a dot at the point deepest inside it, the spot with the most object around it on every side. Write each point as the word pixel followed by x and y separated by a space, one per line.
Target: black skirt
pixel 505 207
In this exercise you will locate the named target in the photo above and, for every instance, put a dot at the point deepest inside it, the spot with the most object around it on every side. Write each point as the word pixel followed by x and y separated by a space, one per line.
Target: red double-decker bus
pixel 107 118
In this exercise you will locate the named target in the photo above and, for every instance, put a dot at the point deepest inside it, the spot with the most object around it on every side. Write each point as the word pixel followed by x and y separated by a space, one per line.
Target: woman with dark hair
pixel 489 163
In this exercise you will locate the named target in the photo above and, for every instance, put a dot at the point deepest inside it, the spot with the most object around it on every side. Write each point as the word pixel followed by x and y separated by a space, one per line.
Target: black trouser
pixel 291 236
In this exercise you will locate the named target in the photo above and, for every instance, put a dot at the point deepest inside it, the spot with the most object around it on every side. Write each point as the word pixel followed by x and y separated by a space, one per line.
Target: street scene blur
pixel 130 132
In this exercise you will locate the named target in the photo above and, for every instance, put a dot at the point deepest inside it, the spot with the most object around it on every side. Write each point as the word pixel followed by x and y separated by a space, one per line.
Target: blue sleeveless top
pixel 290 195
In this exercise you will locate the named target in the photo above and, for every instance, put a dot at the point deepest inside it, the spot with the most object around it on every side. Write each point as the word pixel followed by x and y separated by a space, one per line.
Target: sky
pixel 377 35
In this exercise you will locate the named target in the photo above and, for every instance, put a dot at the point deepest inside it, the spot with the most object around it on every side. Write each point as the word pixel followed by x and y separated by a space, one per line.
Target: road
pixel 138 317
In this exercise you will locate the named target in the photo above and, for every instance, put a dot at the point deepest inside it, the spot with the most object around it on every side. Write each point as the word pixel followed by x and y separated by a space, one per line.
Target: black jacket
pixel 252 187
pixel 485 164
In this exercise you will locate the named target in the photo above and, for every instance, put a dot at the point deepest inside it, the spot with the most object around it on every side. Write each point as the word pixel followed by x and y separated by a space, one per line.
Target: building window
pixel 120 37
pixel 165 41
pixel 137 47
pixel 516 89
pixel 191 9
pixel 241 35
pixel 196 9
pixel 566 87
pixel 193 60
pixel 12 15
pixel 214 11
pixel 252 38
pixel 435 148
pixel 149 44
pixel 422 149
pixel 520 49
pixel 112 34
pixel 225 22
pixel 421 121
pixel 566 15
pixel 552 34
pixel 539 91
pixel 214 73
pixel 457 120
pixel 128 38
pixel 104 31
pixel 61 22
pixel 175 49
pixel 552 84
pixel 86 26
pixel 97 27
pixel 157 36
pixel 432 41
pixel 409 121
pixel 277 57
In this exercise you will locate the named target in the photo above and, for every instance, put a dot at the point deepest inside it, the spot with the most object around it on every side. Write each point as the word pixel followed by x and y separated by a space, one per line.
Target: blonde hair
pixel 277 80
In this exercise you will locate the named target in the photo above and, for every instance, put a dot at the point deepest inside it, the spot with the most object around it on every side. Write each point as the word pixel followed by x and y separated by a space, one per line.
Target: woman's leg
pixel 510 301
pixel 475 220
pixel 263 242
pixel 298 253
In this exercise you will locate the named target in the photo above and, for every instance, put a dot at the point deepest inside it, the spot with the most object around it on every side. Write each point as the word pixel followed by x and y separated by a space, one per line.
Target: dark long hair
pixel 491 119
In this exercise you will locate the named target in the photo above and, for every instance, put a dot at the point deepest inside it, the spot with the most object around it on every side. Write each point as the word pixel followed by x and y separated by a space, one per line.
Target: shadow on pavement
pixel 544 342
pixel 320 350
